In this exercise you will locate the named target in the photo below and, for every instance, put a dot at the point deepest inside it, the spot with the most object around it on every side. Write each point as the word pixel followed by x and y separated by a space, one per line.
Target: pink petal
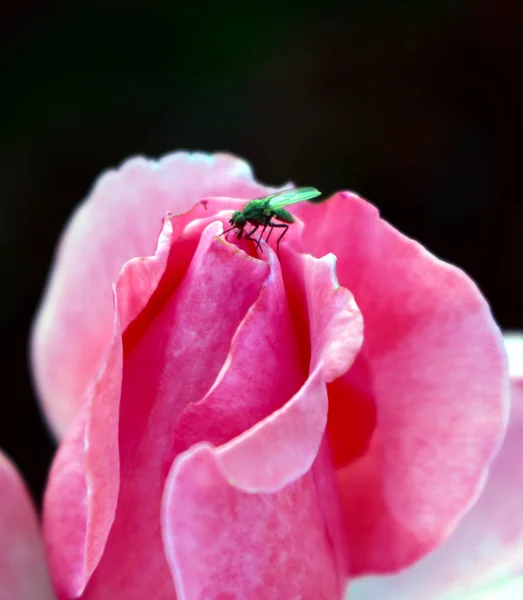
pixel 224 542
pixel 119 221
pixel 83 486
pixel 436 373
pixel 65 513
pixel 283 447
pixel 263 363
pixel 173 363
pixel 23 572
pixel 487 545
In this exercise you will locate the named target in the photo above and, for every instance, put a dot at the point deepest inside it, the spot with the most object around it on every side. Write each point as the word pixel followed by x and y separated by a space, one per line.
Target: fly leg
pixel 248 236
pixel 272 225
pixel 227 230
pixel 261 236
pixel 251 233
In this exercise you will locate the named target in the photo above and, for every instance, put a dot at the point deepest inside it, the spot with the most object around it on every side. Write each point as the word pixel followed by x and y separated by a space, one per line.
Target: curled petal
pixel 282 447
pixel 84 481
pixel 65 514
pixel 435 370
pixel 486 547
pixel 261 372
pixel 248 545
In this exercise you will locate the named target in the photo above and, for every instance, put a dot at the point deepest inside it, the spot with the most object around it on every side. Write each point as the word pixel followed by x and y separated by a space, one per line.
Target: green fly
pixel 261 212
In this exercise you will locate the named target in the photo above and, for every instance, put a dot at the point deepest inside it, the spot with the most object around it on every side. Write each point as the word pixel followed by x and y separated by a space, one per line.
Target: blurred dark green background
pixel 416 105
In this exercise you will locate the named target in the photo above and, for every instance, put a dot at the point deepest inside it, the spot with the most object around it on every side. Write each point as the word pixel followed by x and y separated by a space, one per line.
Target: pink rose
pixel 242 426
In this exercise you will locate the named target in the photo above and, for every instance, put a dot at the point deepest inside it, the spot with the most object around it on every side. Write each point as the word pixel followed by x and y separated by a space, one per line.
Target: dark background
pixel 416 105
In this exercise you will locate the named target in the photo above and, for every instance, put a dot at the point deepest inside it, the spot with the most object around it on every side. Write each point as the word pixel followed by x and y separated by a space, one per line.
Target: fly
pixel 262 212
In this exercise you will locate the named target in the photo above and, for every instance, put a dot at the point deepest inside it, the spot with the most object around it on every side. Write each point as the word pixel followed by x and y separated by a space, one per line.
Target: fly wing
pixel 293 196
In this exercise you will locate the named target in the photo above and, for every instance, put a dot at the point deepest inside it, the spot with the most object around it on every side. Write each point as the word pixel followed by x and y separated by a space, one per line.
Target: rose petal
pixel 223 542
pixel 438 378
pixel 65 513
pixel 174 363
pixel 83 484
pixel 119 221
pixel 283 446
pixel 261 373
pixel 84 481
pixel 487 545
pixel 23 572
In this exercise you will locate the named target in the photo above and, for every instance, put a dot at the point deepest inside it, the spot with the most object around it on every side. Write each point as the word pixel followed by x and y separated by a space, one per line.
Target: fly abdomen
pixel 283 215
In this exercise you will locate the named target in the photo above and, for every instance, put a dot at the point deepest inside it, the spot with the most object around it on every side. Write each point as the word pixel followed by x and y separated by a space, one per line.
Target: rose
pixel 226 435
